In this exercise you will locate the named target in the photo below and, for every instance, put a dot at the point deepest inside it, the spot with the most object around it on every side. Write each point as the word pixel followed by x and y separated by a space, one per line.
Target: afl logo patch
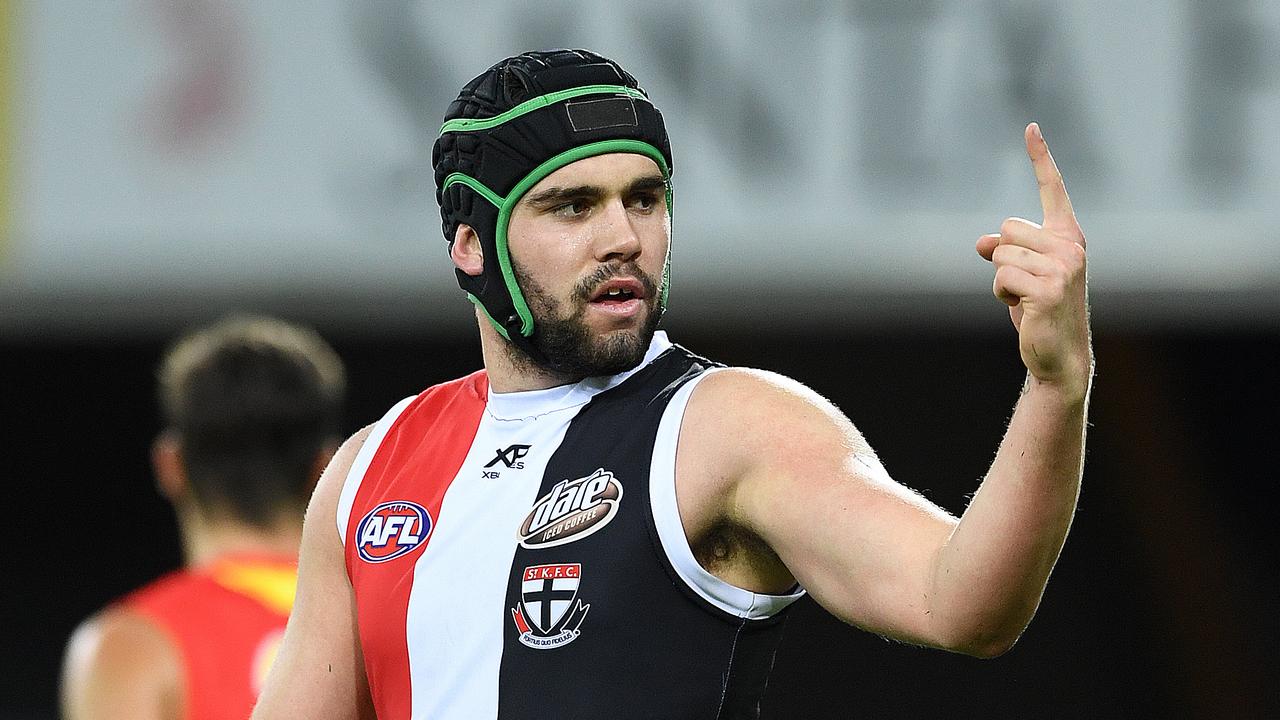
pixel 572 510
pixel 391 530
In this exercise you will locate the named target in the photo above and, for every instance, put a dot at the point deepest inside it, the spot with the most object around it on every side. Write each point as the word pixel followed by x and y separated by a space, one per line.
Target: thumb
pixel 987 244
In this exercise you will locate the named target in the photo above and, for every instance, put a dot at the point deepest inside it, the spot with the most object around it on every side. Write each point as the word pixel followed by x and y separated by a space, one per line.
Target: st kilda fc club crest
pixel 549 611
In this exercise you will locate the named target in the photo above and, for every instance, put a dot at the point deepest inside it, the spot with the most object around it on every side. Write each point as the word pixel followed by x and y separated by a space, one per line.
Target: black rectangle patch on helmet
pixel 601 113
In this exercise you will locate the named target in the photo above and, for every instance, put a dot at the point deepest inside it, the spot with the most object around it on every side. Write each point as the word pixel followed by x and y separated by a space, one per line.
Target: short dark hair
pixel 252 401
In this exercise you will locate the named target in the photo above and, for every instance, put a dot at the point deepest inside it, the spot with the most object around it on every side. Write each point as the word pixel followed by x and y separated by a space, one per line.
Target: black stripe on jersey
pixel 647 646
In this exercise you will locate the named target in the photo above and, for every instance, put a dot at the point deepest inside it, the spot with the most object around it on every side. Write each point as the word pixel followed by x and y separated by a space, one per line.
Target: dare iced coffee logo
pixel 572 510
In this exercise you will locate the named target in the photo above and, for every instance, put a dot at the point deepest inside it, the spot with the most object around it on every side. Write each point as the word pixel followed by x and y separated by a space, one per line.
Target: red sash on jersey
pixel 422 450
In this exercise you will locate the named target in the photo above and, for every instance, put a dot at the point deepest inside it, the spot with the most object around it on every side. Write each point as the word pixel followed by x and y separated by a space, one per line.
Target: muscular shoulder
pixel 754 388
pixel 324 501
pixel 119 663
pixel 336 472
pixel 743 423
pixel 746 417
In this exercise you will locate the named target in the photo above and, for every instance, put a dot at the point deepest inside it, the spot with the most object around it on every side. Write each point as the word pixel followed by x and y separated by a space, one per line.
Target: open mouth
pixel 618 291
pixel 615 296
pixel 619 298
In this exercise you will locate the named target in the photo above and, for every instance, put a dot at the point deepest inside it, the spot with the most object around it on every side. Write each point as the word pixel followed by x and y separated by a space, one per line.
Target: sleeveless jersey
pixel 225 621
pixel 520 555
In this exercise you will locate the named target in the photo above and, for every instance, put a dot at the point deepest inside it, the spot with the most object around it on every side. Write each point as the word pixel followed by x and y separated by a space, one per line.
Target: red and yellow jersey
pixel 226 620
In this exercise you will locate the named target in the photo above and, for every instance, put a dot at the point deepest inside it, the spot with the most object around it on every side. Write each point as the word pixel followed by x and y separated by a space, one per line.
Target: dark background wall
pixel 1162 603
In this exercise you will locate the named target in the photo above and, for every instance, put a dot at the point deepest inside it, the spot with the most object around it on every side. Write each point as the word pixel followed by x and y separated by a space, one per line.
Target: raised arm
pixel 319 671
pixel 781 463
pixel 1019 518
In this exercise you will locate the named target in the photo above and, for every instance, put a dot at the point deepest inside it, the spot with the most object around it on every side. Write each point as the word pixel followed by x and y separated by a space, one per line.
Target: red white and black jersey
pixel 520 555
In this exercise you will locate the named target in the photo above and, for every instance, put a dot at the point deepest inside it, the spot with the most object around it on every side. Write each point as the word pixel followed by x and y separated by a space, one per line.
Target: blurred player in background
pixel 251 409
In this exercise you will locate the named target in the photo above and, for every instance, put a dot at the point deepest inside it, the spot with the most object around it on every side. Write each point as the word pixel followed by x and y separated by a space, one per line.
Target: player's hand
pixel 1041 276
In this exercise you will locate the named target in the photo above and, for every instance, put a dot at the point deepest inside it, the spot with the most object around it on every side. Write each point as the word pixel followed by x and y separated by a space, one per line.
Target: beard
pixel 568 346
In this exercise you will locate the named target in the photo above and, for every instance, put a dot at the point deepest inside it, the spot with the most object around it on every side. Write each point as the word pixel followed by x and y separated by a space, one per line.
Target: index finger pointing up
pixel 1053 193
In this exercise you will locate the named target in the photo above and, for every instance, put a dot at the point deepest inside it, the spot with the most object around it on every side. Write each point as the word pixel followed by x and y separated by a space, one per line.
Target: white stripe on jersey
pixel 457 615
pixel 666 515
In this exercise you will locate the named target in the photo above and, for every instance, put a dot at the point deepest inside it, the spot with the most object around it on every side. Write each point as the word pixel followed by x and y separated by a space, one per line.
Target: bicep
pixel 863 545
pixel 319 671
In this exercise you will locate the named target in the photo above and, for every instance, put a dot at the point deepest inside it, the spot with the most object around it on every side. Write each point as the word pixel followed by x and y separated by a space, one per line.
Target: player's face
pixel 588 244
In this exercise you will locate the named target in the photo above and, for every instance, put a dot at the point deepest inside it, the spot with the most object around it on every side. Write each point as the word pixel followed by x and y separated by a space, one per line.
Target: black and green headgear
pixel 518 122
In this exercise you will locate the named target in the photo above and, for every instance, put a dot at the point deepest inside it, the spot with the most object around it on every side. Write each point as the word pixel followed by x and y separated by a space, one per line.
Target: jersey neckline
pixel 528 404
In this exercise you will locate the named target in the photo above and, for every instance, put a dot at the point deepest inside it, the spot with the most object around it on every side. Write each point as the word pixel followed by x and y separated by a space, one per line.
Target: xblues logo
pixel 549 611
pixel 511 456
pixel 391 530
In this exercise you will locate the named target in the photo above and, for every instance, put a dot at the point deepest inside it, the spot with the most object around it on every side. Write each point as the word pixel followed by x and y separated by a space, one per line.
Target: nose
pixel 617 238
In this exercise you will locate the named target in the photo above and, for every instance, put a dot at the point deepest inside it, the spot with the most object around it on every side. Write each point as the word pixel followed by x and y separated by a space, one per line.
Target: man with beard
pixel 603 524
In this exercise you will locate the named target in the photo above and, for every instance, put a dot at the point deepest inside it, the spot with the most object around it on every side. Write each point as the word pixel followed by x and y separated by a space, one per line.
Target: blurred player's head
pixel 251 410
pixel 515 127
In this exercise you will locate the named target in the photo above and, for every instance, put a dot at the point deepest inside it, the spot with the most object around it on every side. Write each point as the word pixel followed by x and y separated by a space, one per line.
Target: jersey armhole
pixel 351 485
pixel 729 598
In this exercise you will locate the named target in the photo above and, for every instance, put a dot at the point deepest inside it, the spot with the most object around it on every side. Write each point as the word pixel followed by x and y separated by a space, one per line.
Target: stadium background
pixel 163 162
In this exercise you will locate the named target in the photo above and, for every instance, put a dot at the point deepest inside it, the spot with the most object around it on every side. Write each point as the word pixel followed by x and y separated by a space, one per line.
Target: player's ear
pixel 169 467
pixel 465 251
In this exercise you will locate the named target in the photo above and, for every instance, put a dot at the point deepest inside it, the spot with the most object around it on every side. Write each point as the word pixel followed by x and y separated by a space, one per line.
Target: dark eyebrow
pixel 646 183
pixel 553 196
